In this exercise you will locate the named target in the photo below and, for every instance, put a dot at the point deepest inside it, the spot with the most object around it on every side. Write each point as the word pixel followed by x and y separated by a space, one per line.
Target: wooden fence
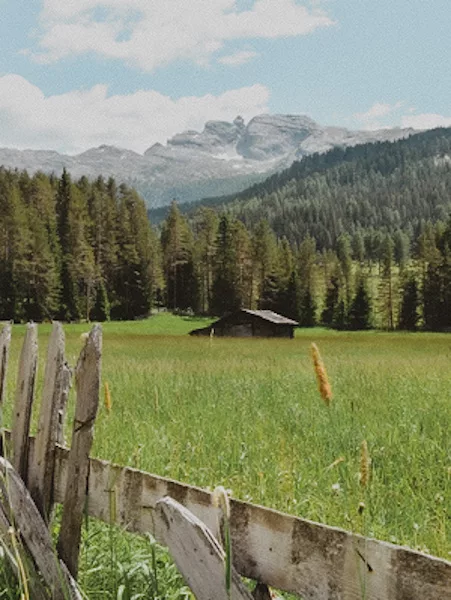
pixel 314 561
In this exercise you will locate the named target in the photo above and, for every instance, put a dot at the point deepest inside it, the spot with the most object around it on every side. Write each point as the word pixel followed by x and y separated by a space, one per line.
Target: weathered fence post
pixel 87 382
pixel 18 509
pixel 5 340
pixel 197 553
pixel 40 477
pixel 66 385
pixel 23 403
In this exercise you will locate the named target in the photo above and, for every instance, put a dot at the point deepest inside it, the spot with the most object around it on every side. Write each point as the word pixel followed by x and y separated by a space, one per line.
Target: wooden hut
pixel 250 323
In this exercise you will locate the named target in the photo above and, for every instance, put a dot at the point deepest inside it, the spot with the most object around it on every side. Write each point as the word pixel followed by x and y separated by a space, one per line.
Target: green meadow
pixel 246 414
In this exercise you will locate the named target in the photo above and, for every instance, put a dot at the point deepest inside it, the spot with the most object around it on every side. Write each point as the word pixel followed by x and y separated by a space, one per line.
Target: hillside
pixel 382 186
pixel 224 158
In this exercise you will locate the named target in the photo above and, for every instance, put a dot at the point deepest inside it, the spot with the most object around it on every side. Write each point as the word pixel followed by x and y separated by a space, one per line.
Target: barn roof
pixel 272 317
pixel 266 315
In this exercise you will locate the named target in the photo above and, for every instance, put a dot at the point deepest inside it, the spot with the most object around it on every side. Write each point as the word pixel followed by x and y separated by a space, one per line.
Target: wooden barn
pixel 250 323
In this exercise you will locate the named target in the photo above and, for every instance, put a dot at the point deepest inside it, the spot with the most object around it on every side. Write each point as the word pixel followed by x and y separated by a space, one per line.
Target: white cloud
pixel 152 33
pixel 425 121
pixel 371 119
pixel 382 115
pixel 238 58
pixel 80 119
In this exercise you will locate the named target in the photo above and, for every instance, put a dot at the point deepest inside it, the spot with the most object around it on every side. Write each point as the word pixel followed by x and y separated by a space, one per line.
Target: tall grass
pixel 245 413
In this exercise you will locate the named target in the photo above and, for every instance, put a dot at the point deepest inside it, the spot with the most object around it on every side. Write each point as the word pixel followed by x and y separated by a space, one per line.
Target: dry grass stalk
pixel 321 374
pixel 108 403
pixel 365 465
pixel 335 463
pixel 221 500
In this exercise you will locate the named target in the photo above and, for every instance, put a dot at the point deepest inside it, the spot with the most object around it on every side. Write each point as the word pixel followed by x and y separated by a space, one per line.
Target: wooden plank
pixel 87 381
pixel 5 340
pixel 66 385
pixel 21 510
pixel 23 403
pixel 277 549
pixel 27 570
pixel 40 476
pixel 197 553
pixel 285 552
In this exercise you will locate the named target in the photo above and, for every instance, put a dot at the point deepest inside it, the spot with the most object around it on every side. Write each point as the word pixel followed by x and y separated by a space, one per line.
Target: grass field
pixel 246 414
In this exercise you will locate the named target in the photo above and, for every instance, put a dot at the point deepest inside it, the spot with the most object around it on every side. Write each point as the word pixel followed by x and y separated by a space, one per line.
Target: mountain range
pixel 224 158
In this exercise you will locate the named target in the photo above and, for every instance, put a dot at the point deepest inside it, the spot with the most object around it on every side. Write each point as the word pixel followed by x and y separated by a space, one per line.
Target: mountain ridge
pixel 224 158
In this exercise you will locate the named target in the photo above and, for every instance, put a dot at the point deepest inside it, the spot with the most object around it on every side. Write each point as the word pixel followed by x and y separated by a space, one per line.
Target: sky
pixel 75 74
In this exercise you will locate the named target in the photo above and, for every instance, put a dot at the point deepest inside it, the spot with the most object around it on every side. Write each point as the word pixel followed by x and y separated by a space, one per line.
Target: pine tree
pixel 291 298
pixel 387 285
pixel 225 296
pixel 264 248
pixel 360 309
pixel 432 298
pixel 345 260
pixel 331 301
pixel 138 259
pixel 206 227
pixel 307 310
pixel 408 314
pixel 178 261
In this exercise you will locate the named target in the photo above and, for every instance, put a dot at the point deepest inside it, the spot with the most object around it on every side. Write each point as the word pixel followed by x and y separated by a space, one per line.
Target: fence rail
pixel 292 554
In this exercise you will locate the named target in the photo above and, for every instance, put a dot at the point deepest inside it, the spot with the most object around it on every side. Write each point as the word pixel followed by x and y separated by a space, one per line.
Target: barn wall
pixel 246 325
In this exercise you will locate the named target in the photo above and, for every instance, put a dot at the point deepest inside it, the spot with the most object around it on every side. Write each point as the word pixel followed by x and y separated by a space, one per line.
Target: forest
pixel 352 239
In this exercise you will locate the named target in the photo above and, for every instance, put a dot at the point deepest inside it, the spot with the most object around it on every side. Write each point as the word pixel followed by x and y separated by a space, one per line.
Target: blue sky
pixel 79 73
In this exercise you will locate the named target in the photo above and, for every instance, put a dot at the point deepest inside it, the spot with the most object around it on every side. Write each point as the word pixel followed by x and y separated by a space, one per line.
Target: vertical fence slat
pixel 87 382
pixel 66 385
pixel 26 378
pixel 5 340
pixel 40 475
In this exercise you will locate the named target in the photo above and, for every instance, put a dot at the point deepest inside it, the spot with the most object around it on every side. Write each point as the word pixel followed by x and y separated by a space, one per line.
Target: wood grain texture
pixel 7 531
pixel 66 385
pixel 262 592
pixel 312 560
pixel 5 341
pixel 23 403
pixel 87 382
pixel 20 509
pixel 197 553
pixel 40 476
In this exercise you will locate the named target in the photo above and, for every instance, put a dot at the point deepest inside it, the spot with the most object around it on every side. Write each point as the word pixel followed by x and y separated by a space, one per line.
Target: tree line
pixel 213 264
pixel 74 251
pixel 372 188
pixel 85 250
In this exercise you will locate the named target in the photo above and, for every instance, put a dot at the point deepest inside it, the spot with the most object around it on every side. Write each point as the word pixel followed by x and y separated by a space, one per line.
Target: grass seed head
pixel 321 375
pixel 108 404
pixel 221 500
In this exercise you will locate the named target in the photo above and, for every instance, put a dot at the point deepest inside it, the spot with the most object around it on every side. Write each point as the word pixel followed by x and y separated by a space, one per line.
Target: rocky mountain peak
pixel 223 158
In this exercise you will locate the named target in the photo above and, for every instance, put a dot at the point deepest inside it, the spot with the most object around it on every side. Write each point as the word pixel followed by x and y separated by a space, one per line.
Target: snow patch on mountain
pixel 223 158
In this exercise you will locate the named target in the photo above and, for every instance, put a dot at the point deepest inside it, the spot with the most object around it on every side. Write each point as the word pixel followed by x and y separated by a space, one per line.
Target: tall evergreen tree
pixel 386 285
pixel 359 316
pixel 225 296
pixel 178 261
pixel 408 314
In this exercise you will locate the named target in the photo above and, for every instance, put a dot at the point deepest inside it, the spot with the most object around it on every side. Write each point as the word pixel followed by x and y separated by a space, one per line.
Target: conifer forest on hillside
pixel 352 239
